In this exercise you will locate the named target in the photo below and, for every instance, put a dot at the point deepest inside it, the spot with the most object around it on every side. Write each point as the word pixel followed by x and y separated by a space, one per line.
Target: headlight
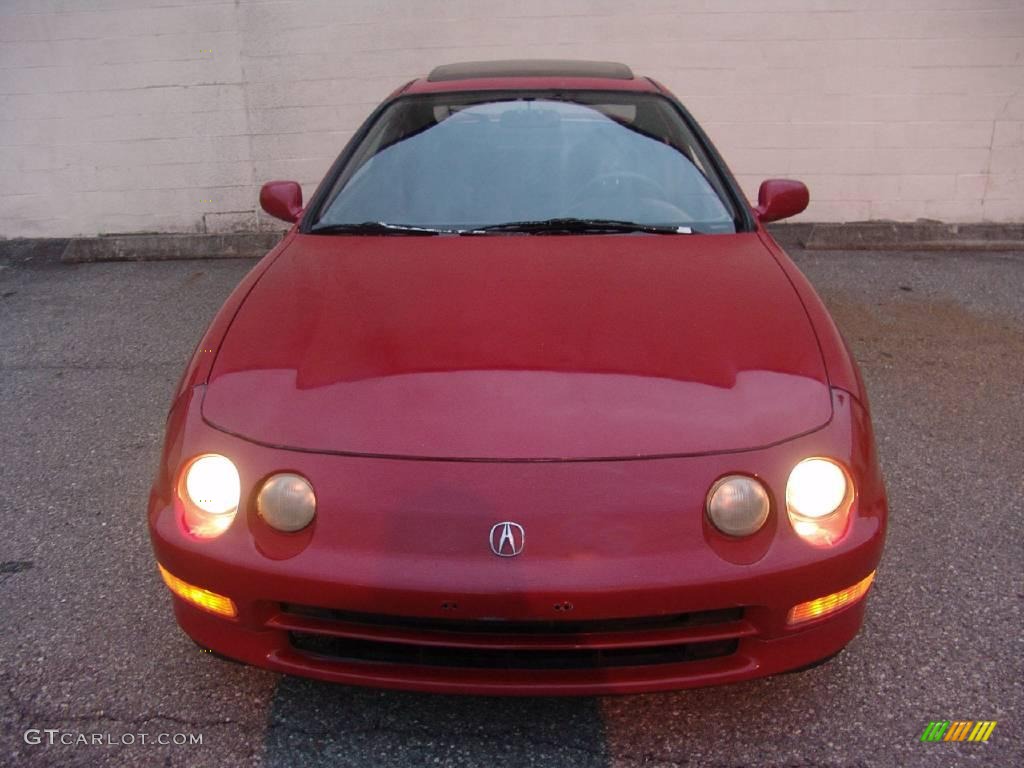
pixel 287 502
pixel 819 496
pixel 737 505
pixel 210 490
pixel 816 488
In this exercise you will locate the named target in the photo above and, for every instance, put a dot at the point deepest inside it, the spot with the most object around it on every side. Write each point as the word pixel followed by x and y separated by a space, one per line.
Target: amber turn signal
pixel 823 606
pixel 203 598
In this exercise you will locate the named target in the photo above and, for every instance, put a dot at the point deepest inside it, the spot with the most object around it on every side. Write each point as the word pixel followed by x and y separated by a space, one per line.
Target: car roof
pixel 526 74
pixel 467 70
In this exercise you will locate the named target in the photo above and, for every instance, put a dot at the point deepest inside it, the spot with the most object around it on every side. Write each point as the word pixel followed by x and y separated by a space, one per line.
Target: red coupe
pixel 527 401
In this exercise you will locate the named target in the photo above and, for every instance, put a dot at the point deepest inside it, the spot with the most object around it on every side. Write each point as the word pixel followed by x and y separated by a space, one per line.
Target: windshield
pixel 471 161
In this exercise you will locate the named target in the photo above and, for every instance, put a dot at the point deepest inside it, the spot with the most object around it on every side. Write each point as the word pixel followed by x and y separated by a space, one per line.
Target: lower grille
pixel 354 650
pixel 508 627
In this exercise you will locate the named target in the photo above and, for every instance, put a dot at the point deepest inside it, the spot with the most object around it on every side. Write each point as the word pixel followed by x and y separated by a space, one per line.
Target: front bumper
pixel 630 588
pixel 269 646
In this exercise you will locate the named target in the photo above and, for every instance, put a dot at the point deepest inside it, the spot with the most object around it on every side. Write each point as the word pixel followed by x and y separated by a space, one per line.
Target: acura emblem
pixel 507 539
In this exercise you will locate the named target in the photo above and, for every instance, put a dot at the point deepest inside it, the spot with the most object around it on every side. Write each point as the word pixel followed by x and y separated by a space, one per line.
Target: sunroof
pixel 472 70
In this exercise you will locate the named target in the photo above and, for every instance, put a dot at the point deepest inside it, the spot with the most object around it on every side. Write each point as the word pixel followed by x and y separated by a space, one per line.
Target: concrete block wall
pixel 166 115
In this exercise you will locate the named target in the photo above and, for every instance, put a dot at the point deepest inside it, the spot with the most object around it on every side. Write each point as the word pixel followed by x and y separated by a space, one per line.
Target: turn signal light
pixel 823 606
pixel 203 598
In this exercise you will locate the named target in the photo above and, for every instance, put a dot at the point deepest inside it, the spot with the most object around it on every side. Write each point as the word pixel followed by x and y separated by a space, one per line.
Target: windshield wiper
pixel 378 228
pixel 573 226
pixel 556 226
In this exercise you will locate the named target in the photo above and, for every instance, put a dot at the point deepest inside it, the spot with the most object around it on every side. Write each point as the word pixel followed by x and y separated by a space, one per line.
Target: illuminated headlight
pixel 287 502
pixel 737 505
pixel 816 488
pixel 818 499
pixel 210 490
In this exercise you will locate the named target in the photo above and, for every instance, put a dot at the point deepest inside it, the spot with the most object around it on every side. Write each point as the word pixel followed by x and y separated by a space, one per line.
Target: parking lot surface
pixel 90 353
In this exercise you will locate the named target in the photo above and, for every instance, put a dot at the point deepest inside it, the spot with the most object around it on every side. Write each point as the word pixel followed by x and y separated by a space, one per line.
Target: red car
pixel 527 401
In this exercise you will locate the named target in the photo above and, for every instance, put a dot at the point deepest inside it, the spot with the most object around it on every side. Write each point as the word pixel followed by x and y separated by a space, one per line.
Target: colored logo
pixel 507 539
pixel 958 730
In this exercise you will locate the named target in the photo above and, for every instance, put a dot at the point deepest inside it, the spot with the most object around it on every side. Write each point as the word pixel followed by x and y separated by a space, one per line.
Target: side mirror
pixel 780 199
pixel 282 200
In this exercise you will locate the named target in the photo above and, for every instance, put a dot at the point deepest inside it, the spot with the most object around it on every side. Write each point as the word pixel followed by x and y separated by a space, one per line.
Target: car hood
pixel 520 347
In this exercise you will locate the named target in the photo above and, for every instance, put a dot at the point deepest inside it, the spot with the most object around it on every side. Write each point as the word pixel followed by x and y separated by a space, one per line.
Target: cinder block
pixel 1002 210
pixel 897 209
pixel 241 221
pixel 1008 159
pixel 850 210
pixel 956 210
pixel 946 134
pixel 926 186
pixel 1005 186
pixel 971 186
pixel 1008 133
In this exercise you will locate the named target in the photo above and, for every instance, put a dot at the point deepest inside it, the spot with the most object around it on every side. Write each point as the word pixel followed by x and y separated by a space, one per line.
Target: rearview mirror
pixel 282 200
pixel 780 199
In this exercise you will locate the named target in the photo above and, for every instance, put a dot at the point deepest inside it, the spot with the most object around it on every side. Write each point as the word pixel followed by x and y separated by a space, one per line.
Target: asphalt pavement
pixel 89 356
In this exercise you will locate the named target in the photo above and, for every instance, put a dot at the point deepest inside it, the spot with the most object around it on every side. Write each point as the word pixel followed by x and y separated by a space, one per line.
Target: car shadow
pixel 328 724
pixel 310 722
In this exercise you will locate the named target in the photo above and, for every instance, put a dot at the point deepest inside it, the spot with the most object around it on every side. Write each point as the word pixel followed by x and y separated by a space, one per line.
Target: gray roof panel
pixel 473 70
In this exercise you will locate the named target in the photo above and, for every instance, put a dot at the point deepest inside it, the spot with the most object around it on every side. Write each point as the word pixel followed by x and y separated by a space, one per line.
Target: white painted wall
pixel 166 115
